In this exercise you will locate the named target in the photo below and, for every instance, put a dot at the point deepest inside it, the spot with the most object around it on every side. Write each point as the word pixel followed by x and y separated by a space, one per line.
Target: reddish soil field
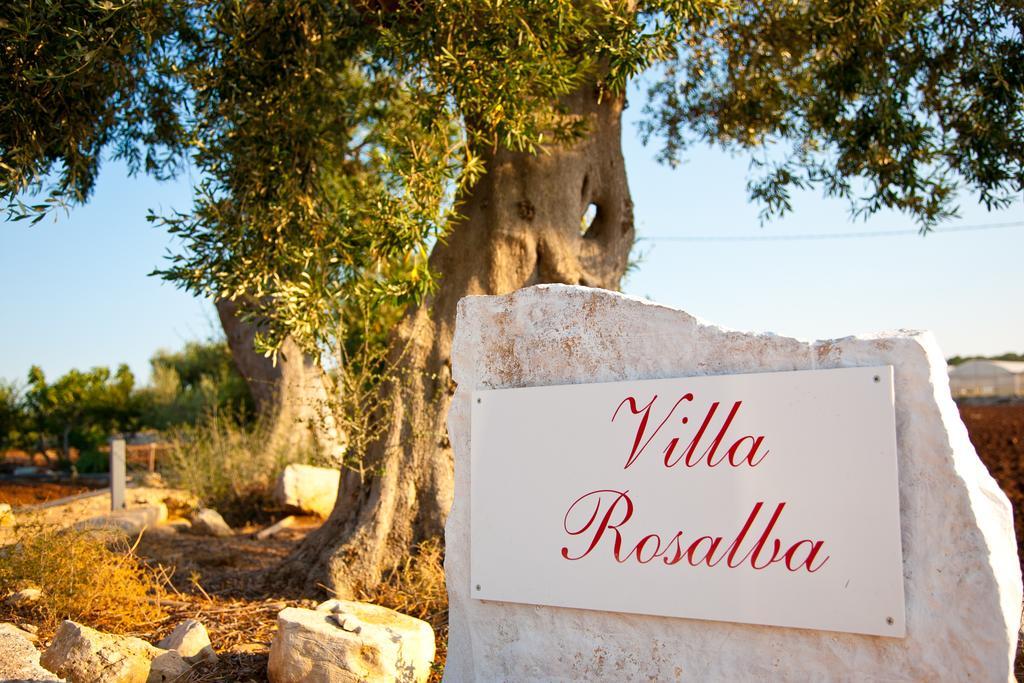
pixel 18 493
pixel 997 432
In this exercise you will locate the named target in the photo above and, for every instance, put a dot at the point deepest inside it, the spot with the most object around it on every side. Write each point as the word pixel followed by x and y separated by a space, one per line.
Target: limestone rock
pixel 24 597
pixel 349 641
pixel 19 659
pixel 191 641
pixel 32 630
pixel 167 667
pixel 84 655
pixel 208 522
pixel 308 489
pixel 961 575
pixel 131 521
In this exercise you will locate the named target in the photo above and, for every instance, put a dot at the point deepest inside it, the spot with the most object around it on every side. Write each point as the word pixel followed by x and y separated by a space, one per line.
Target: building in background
pixel 996 378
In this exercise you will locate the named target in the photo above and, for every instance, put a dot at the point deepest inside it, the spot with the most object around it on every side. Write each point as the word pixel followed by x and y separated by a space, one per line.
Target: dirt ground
pixel 18 493
pixel 216 581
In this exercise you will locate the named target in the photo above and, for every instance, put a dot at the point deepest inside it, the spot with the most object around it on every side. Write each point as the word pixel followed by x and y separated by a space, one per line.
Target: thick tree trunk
pixel 522 226
pixel 294 395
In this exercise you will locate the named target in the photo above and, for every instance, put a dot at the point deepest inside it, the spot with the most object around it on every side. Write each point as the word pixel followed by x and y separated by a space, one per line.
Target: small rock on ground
pixel 19 659
pixel 208 522
pixel 84 655
pixel 6 515
pixel 24 597
pixel 191 641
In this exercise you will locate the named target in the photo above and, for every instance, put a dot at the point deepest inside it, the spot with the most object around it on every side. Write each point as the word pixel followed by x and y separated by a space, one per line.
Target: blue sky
pixel 77 291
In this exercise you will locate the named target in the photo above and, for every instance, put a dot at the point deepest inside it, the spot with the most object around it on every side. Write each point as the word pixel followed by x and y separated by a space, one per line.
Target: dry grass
pixel 417 588
pixel 147 590
pixel 229 467
pixel 90 576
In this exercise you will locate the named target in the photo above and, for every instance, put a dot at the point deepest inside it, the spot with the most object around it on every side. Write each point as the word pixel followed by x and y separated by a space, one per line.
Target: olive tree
pixel 370 154
pixel 890 105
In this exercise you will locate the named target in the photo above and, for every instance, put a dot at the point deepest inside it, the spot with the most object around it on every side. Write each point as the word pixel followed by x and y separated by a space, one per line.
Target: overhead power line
pixel 827 235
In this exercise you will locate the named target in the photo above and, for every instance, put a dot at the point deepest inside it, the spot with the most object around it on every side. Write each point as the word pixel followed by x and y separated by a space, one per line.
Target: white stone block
pixel 84 655
pixel 208 522
pixel 132 521
pixel 961 574
pixel 308 489
pixel 344 641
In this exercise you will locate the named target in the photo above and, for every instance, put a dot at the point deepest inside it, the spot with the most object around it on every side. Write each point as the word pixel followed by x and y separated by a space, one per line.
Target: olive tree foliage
pixel 80 78
pixel 338 139
pixel 895 104
pixel 334 139
pixel 325 176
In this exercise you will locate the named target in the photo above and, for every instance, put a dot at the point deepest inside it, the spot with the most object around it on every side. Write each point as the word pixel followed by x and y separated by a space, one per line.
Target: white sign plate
pixel 763 498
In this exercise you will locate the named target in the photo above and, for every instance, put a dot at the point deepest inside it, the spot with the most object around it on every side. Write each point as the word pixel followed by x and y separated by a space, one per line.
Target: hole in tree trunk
pixel 589 216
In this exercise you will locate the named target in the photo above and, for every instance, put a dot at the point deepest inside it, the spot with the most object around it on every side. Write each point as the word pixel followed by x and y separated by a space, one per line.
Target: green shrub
pixel 92 461
pixel 188 383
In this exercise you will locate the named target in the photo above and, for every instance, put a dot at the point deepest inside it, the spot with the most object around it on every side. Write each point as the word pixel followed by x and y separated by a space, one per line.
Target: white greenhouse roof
pixel 973 366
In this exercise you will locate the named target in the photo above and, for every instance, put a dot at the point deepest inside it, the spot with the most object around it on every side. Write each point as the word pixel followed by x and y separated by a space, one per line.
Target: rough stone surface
pixel 962 578
pixel 190 640
pixel 349 641
pixel 131 521
pixel 19 659
pixel 208 522
pixel 83 655
pixel 168 667
pixel 24 597
pixel 308 489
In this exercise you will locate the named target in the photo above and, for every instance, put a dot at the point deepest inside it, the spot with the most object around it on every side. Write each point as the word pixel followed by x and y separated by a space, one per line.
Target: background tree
pixel 1013 357
pixel 198 379
pixel 12 415
pixel 80 409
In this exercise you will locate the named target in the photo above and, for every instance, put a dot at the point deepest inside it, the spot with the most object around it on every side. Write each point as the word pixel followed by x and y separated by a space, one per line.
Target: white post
pixel 117 474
